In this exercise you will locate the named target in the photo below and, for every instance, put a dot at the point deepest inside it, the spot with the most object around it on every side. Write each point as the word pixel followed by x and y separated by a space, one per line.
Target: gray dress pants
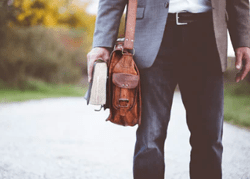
pixel 188 57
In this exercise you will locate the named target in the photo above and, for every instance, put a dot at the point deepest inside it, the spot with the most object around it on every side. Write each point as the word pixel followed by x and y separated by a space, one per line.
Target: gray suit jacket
pixel 151 20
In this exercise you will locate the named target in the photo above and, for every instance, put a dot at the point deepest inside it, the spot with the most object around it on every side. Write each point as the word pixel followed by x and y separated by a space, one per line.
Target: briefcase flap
pixel 124 80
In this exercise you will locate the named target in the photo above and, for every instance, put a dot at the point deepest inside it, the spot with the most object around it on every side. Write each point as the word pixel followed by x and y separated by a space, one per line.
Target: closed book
pixel 96 94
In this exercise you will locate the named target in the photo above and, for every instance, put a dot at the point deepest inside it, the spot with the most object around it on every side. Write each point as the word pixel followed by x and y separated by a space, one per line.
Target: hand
pixel 242 62
pixel 95 54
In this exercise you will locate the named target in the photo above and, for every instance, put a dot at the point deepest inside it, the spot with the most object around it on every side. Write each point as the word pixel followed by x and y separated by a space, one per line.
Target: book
pixel 96 94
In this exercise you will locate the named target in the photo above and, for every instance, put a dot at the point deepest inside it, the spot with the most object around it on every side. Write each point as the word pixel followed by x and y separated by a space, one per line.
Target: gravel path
pixel 65 139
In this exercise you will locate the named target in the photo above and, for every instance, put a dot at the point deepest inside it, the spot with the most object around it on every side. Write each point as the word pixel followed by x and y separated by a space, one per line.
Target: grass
pixel 237 97
pixel 38 90
pixel 237 104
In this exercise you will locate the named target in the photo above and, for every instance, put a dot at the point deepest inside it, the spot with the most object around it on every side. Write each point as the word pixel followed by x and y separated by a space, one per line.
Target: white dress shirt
pixel 194 6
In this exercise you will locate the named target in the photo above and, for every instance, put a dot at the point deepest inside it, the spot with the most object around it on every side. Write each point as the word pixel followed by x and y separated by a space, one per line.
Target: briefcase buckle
pixel 123 100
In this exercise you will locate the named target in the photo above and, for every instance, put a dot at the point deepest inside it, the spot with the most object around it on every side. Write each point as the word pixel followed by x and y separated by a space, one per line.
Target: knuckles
pixel 95 54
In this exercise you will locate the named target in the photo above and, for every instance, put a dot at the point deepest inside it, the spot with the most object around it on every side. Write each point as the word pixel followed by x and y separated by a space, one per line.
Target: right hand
pixel 95 54
pixel 242 62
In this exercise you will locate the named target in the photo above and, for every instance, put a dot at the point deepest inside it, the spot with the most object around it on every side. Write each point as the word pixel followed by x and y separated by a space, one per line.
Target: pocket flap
pixel 124 80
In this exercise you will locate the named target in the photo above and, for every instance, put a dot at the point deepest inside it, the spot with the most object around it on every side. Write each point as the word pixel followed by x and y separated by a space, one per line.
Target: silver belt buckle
pixel 177 19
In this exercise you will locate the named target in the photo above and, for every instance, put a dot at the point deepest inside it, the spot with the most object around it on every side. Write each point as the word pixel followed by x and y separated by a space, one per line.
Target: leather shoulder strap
pixel 130 25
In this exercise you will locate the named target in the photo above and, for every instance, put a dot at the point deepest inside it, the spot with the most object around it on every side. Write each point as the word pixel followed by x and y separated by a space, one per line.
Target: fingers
pixel 245 69
pixel 242 57
pixel 90 67
pixel 106 57
pixel 238 62
pixel 238 77
pixel 94 55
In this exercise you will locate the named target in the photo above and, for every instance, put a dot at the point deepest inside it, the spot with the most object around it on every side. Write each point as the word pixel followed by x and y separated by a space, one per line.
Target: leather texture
pixel 124 80
pixel 151 22
pixel 124 91
pixel 130 25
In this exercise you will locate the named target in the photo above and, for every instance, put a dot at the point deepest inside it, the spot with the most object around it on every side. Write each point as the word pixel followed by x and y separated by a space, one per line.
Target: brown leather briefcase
pixel 124 90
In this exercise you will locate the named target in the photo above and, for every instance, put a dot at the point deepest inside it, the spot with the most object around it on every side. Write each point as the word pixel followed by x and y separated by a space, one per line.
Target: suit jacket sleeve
pixel 107 22
pixel 239 22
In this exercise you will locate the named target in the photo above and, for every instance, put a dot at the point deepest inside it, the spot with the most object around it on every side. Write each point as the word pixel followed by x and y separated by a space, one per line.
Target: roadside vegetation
pixel 237 104
pixel 43 47
pixel 35 90
pixel 237 98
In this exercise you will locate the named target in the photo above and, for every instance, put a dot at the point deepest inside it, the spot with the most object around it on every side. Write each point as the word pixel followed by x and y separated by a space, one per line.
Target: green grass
pixel 38 90
pixel 237 104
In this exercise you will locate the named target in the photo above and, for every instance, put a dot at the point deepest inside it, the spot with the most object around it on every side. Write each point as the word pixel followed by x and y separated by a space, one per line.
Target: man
pixel 179 42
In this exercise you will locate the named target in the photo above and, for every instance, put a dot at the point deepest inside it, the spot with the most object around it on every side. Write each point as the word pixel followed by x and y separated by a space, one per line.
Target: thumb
pixel 238 62
pixel 105 55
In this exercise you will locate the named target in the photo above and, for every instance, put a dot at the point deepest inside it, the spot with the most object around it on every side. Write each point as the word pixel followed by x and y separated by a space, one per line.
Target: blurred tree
pixel 51 13
pixel 54 13
pixel 29 49
pixel 3 19
pixel 3 12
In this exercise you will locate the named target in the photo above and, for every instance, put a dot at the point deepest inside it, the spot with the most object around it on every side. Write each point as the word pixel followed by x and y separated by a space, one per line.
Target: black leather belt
pixel 184 18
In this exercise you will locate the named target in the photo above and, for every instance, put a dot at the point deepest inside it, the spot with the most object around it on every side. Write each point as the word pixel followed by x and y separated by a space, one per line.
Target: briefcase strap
pixel 130 25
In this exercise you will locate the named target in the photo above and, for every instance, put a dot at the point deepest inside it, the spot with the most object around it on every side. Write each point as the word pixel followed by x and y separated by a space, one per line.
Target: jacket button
pixel 166 4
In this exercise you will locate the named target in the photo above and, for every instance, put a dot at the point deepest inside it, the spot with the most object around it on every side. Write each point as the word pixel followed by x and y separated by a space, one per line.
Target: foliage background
pixel 44 39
